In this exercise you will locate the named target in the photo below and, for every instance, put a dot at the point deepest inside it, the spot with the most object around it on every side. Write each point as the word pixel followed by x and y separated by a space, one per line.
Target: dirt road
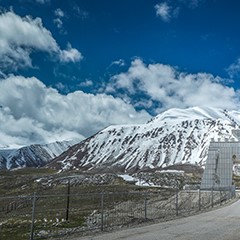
pixel 219 224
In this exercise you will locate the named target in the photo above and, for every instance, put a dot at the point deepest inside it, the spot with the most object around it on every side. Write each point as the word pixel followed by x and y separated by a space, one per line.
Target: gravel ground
pixel 219 224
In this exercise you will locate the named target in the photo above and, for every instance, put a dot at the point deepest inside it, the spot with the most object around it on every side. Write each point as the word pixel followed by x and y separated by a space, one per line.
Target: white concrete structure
pixel 219 165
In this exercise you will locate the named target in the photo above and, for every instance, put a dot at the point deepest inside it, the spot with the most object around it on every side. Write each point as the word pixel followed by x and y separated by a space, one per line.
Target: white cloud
pixel 170 9
pixel 70 54
pixel 119 62
pixel 43 1
pixel 59 13
pixel 234 69
pixel 87 83
pixel 163 10
pixel 80 13
pixel 58 22
pixel 171 88
pixel 192 3
pixel 62 87
pixel 34 113
pixel 20 36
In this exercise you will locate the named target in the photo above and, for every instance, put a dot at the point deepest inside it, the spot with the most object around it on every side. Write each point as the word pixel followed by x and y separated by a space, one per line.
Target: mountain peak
pixel 175 136
pixel 34 155
pixel 176 114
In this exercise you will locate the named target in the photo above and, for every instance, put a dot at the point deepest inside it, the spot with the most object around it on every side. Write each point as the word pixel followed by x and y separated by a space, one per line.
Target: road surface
pixel 219 224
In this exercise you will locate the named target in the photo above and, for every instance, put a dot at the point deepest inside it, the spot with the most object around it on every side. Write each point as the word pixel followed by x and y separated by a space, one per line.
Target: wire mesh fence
pixel 44 216
pixel 15 213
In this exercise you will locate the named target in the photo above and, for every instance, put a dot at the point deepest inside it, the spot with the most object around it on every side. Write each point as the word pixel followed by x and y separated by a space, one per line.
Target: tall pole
pixel 176 203
pixel 33 216
pixel 145 206
pixel 176 198
pixel 68 200
pixel 212 202
pixel 102 209
pixel 199 199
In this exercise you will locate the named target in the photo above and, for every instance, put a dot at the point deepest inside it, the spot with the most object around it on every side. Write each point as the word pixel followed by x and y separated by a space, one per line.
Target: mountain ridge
pixel 175 136
pixel 36 155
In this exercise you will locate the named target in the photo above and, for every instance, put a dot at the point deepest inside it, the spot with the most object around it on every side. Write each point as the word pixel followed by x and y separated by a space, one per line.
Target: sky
pixel 71 68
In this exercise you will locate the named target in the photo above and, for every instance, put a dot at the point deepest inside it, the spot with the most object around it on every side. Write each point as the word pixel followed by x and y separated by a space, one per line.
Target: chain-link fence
pixel 44 216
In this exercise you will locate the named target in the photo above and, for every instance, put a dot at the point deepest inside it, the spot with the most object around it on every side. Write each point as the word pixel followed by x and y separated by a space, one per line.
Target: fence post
pixel 230 194
pixel 33 216
pixel 234 191
pixel 199 199
pixel 102 209
pixel 177 202
pixel 212 198
pixel 145 207
pixel 68 200
pixel 220 197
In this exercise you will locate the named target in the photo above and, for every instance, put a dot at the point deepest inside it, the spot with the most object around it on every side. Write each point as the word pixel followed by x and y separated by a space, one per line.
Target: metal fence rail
pixel 43 216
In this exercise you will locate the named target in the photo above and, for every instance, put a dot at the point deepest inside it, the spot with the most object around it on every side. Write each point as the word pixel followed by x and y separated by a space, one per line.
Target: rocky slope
pixel 175 136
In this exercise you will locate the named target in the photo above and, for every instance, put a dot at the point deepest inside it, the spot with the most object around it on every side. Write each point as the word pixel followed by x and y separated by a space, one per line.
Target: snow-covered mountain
pixel 175 136
pixel 32 156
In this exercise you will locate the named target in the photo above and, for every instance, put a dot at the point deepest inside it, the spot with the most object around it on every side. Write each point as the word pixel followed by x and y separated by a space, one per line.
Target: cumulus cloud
pixel 70 54
pixel 20 36
pixel 119 62
pixel 80 13
pixel 35 113
pixel 59 13
pixel 86 83
pixel 43 1
pixel 192 3
pixel 166 86
pixel 58 20
pixel 170 9
pixel 234 69
pixel 163 10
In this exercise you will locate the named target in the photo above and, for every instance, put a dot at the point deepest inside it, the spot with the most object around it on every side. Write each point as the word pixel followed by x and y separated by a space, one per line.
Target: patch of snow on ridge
pixel 127 178
pixel 137 181
pixel 56 148
pixel 189 114
pixel 171 171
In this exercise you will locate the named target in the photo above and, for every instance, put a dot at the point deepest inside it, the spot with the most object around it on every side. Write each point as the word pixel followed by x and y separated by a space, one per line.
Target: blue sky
pixel 203 36
pixel 112 62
